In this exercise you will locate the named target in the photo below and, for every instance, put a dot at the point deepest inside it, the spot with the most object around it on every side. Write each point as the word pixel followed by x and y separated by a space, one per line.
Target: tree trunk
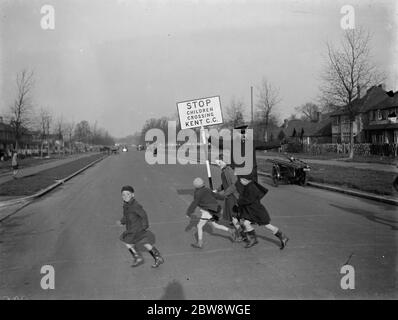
pixel 266 128
pixel 351 140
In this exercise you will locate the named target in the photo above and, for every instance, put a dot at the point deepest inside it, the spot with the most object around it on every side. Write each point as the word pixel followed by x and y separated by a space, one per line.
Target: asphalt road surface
pixel 73 229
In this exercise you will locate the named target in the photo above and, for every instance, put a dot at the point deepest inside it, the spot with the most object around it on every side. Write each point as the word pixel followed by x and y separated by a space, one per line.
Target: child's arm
pixel 193 205
pixel 141 212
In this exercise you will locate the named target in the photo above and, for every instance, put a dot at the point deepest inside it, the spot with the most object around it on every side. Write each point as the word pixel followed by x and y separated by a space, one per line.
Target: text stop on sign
pixel 200 112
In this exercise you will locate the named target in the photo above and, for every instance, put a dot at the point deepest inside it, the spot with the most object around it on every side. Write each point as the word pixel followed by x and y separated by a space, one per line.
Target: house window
pixel 378 115
pixel 346 137
pixel 384 114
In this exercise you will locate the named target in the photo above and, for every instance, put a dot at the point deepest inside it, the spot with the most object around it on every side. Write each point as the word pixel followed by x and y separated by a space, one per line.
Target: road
pixel 73 229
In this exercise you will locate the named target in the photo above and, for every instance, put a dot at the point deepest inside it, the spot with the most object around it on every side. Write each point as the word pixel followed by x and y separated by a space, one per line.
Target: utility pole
pixel 251 104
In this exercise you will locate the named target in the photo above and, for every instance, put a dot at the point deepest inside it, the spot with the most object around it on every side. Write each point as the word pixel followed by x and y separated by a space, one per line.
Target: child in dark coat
pixel 136 221
pixel 209 208
pixel 252 211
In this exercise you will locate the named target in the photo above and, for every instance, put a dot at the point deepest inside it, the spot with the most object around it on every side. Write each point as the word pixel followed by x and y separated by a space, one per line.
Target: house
pixel 7 137
pixel 309 132
pixel 341 118
pixel 382 126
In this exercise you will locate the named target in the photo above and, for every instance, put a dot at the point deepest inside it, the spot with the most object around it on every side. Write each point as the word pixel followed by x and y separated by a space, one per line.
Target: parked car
pixel 125 149
pixel 140 147
pixel 291 170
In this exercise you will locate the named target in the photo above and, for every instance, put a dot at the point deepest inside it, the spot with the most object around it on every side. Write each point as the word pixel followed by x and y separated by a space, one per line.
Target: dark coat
pixel 250 207
pixel 136 221
pixel 204 199
pixel 228 180
pixel 257 145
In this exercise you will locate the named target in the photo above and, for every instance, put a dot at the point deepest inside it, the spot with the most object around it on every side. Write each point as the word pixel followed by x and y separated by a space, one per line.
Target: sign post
pixel 204 141
pixel 200 113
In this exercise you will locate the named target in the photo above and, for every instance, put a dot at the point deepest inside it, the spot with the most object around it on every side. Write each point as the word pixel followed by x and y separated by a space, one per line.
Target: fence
pixel 363 149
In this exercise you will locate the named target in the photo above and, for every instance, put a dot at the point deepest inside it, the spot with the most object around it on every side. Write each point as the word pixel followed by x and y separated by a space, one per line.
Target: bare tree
pixel 69 129
pixel 268 98
pixel 349 71
pixel 59 131
pixel 83 132
pixel 21 108
pixel 234 113
pixel 44 120
pixel 94 133
pixel 309 111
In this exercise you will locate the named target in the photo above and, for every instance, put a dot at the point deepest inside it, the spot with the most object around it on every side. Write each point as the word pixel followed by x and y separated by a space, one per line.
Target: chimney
pixel 285 123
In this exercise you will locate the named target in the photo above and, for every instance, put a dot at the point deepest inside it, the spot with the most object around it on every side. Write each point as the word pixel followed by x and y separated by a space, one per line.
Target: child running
pixel 136 221
pixel 252 211
pixel 209 209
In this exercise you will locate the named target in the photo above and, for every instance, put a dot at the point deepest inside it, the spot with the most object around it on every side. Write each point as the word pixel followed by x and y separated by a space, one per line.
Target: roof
pixel 381 126
pixel 373 96
pixel 321 128
pixel 5 127
pixel 389 102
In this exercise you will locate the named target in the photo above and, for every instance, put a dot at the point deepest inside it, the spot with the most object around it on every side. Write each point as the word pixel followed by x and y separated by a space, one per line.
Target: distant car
pixel 125 149
pixel 140 147
pixel 114 150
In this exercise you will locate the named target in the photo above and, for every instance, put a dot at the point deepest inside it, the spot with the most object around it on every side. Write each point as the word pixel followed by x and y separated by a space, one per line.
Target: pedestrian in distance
pixel 209 211
pixel 137 234
pixel 252 211
pixel 14 164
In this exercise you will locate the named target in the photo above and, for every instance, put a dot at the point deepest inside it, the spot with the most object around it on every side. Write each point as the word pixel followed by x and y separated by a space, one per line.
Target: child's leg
pixel 247 225
pixel 215 225
pixel 236 223
pixel 200 226
pixel 136 255
pixel 250 233
pixel 282 238
pixel 155 254
pixel 239 229
pixel 273 229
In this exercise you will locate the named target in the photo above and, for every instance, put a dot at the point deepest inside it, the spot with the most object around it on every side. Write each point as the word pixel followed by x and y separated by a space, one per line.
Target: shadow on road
pixel 173 291
pixel 393 224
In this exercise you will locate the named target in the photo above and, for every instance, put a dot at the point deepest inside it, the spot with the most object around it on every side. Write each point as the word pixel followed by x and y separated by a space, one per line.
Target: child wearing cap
pixel 137 234
pixel 209 209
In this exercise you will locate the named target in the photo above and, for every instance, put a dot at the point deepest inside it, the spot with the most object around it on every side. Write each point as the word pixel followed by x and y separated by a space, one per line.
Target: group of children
pixel 242 209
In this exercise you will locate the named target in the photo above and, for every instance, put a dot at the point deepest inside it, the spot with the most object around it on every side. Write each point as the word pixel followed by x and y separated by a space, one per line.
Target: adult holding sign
pixel 200 113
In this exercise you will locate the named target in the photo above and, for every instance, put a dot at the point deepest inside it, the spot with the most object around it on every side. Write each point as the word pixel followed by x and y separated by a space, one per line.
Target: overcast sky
pixel 120 62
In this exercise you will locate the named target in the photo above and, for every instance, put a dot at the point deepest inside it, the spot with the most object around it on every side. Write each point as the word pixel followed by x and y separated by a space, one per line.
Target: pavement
pixel 73 229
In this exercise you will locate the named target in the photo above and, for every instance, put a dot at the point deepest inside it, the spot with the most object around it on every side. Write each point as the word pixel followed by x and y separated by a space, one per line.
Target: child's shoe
pixel 158 258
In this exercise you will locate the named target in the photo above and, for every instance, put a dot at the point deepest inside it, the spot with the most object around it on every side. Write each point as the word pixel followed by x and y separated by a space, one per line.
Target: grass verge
pixel 29 185
pixel 378 182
